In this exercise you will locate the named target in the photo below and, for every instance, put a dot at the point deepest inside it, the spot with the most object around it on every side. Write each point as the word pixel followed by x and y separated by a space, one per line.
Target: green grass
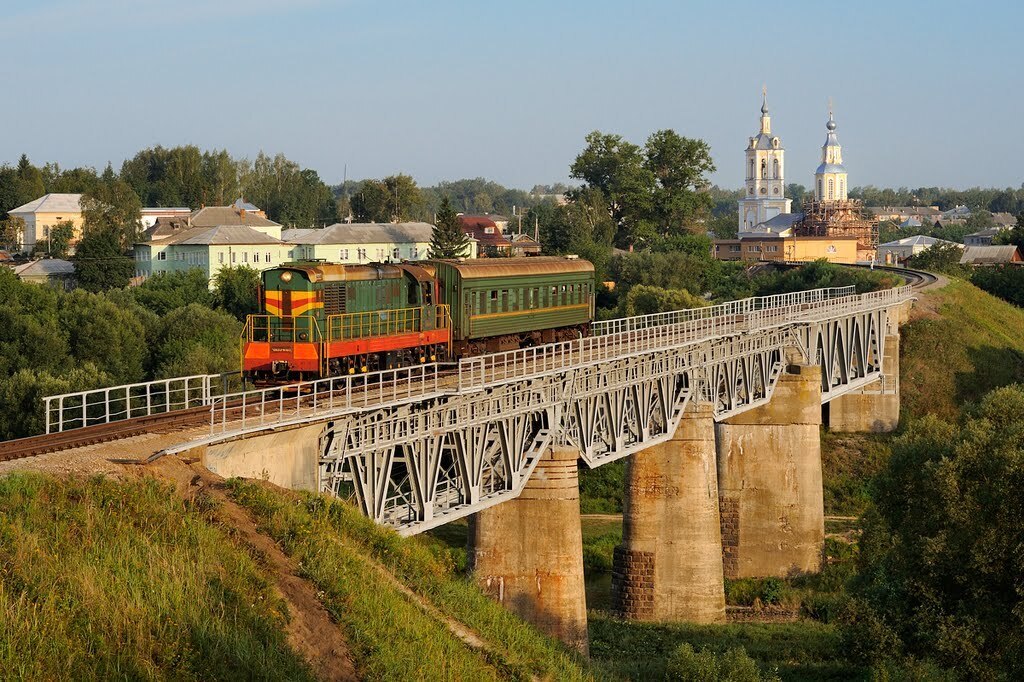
pixel 799 651
pixel 848 463
pixel 976 345
pixel 123 580
pixel 392 639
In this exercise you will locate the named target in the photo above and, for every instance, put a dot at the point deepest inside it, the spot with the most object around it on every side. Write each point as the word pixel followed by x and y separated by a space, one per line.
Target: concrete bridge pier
pixel 769 482
pixel 527 553
pixel 669 565
pixel 875 408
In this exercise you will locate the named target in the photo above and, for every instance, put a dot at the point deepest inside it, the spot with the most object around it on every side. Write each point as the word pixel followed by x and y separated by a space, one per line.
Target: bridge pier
pixel 527 553
pixel 669 565
pixel 769 482
pixel 875 408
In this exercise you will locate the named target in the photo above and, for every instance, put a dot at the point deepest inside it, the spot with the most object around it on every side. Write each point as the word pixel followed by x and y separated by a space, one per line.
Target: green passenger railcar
pixel 507 303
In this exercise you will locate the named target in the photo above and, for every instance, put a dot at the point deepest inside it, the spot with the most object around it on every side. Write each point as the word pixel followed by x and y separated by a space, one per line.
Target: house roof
pixel 361 233
pixel 905 210
pixel 219 235
pixel 166 210
pixel 912 221
pixel 242 204
pixel 51 203
pixel 988 255
pixel 773 227
pixel 917 240
pixel 212 216
pixel 1004 219
pixel 45 267
pixel 987 232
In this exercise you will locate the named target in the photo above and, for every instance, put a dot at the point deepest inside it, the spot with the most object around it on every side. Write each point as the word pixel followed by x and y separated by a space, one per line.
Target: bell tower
pixel 764 184
pixel 830 178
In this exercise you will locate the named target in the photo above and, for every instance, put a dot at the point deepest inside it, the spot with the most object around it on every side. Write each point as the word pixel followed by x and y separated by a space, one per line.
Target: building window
pixel 842 188
pixel 772 249
pixel 488 230
pixel 220 257
pixel 831 188
pixel 245 256
pixel 775 168
pixel 819 189
pixel 415 252
pixel 734 248
pixel 344 254
pixel 397 256
pixel 751 175
pixel 764 168
pixel 162 255
pixel 234 256
pixel 266 257
pixel 361 254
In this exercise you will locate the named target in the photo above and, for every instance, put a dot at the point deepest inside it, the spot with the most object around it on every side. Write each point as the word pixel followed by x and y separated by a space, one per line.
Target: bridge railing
pixel 246 409
pixel 104 405
pixel 476 373
pixel 731 308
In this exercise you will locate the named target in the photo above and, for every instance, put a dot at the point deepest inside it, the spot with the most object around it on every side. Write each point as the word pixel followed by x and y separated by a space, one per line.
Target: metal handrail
pixel 78 409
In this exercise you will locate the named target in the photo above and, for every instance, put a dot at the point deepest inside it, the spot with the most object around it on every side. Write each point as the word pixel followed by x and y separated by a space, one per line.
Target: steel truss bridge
pixel 419 447
pixel 416 464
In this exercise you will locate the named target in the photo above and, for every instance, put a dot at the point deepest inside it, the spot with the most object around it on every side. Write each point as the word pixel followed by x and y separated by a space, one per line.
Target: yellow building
pixel 788 248
pixel 46 212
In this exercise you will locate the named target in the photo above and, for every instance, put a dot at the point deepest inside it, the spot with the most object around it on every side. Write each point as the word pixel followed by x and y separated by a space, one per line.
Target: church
pixel 832 226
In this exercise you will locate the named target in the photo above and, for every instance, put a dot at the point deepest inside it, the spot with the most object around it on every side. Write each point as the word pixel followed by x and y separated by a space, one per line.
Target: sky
pixel 925 94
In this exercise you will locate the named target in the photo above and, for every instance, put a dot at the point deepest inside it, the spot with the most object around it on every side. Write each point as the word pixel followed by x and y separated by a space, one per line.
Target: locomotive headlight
pixel 286 276
pixel 303 336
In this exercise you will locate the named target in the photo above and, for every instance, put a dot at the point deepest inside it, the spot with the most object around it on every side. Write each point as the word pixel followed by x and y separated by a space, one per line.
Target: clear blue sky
pixel 925 93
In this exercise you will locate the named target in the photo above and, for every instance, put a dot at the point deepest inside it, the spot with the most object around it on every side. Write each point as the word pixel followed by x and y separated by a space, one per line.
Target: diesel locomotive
pixel 320 319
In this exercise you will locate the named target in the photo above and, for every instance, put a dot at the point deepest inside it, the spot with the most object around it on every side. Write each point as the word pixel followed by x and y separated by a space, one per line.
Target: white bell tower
pixel 764 185
pixel 830 178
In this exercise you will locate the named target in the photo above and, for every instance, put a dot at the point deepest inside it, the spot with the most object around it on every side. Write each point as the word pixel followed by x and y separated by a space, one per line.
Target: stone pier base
pixel 769 482
pixel 527 553
pixel 669 566
pixel 876 408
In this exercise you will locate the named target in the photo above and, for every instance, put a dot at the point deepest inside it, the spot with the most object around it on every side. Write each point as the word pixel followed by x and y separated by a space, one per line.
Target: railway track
pixel 917 279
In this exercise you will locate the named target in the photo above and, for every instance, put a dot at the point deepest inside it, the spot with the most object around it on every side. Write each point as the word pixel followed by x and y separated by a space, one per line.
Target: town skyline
pixel 355 105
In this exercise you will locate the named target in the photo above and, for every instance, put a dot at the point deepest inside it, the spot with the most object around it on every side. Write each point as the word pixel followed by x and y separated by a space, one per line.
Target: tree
pixel 59 240
pixel 100 264
pixel 114 208
pixel 396 198
pixel 657 190
pixel 104 334
pixel 680 165
pixel 236 290
pixel 447 240
pixel 1014 235
pixel 12 232
pixel 645 300
pixel 940 561
pixel 167 291
pixel 196 340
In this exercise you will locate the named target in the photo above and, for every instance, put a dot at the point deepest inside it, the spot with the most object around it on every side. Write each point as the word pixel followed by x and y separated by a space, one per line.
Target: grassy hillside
pixel 106 579
pixel 962 343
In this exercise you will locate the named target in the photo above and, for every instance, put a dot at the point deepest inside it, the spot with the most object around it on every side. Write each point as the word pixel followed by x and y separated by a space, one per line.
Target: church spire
pixel 766 121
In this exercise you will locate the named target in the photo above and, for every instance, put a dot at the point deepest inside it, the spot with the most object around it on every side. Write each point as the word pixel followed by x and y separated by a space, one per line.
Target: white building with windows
pixel 211 249
pixel 356 243
pixel 765 172
pixel 830 177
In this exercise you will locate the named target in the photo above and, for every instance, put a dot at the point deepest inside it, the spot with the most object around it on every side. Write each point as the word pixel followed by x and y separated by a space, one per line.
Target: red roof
pixel 483 230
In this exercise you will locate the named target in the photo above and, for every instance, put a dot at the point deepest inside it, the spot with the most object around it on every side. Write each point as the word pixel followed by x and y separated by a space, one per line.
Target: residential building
pixel 217 216
pixel 899 214
pixel 53 272
pixel 490 240
pixel 787 248
pixel 44 213
pixel 900 250
pixel 149 216
pixel 364 242
pixel 765 172
pixel 500 221
pixel 524 245
pixel 982 237
pixel 210 249
pixel 991 255
pixel 1004 220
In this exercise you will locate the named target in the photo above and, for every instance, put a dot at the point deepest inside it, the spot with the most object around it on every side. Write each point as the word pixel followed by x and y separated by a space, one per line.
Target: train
pixel 321 319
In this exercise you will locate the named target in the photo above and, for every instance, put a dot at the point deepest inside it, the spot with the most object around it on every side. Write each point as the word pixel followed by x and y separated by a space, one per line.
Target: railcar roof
pixel 329 272
pixel 519 267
